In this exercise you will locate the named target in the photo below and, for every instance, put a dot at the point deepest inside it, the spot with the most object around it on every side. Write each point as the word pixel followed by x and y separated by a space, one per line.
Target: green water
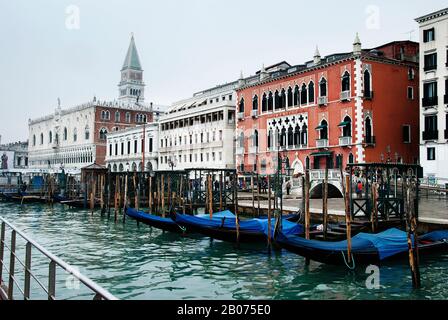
pixel 142 263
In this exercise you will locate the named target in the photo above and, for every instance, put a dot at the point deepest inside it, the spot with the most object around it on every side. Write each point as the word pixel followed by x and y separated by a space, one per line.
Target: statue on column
pixel 4 161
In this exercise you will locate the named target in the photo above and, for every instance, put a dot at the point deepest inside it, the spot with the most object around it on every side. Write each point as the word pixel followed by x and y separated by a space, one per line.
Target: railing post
pixel 52 280
pixel 27 271
pixel 12 266
pixel 2 249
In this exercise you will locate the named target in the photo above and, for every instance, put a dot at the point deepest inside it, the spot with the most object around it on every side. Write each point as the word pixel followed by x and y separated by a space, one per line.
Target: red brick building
pixel 355 107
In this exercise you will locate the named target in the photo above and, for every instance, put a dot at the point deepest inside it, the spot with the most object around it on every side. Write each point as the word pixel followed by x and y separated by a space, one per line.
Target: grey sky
pixel 184 46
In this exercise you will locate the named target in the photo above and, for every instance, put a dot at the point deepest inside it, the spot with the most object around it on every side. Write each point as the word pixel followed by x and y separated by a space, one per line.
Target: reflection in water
pixel 137 262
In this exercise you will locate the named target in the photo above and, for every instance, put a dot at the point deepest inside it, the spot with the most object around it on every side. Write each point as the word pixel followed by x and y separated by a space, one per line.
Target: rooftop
pixel 432 15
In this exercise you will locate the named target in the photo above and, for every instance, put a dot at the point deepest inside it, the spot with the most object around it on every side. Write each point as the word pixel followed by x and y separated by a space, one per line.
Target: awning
pixel 344 124
pixel 322 154
pixel 321 127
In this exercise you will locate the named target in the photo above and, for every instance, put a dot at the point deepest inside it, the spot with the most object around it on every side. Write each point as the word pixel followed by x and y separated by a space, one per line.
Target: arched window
pixel 255 103
pixel 103 133
pixel 367 84
pixel 323 129
pixel 304 135
pixel 264 103
pixel 277 100
pixel 41 138
pixel 290 97
pixel 307 162
pixel 296 95
pixel 270 102
pixel 50 137
pixel 241 106
pixel 369 132
pixel 87 133
pixel 323 88
pixel 346 127
pixel 290 137
pixel 297 136
pixel 115 168
pixel 283 99
pixel 34 140
pixel 303 95
pixel 128 117
pixel 65 134
pixel 121 168
pixel 255 139
pixel 283 138
pixel 241 140
pixel 351 159
pixel 269 139
pixel 75 135
pixel 117 116
pixel 346 81
pixel 311 92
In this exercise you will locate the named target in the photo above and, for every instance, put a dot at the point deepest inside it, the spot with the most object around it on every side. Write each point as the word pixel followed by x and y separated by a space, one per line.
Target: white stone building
pixel 199 132
pixel 434 93
pixel 125 149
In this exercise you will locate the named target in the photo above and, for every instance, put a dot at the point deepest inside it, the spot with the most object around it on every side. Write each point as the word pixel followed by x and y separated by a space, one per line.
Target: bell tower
pixel 131 86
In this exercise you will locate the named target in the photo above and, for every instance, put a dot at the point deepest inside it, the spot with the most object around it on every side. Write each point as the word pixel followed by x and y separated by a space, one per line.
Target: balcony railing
pixel 240 115
pixel 253 150
pixel 368 95
pixel 322 143
pixel 430 101
pixel 240 151
pixel 322 101
pixel 345 96
pixel 345 141
pixel 430 68
pixel 370 140
pixel 254 113
pixel 430 135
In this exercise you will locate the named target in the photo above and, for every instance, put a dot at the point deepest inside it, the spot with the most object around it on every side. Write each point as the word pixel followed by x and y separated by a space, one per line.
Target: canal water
pixel 137 262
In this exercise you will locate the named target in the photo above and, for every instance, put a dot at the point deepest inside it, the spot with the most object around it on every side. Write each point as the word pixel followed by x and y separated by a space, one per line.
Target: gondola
pixel 222 226
pixel 366 248
pixel 23 198
pixel 166 224
pixel 80 204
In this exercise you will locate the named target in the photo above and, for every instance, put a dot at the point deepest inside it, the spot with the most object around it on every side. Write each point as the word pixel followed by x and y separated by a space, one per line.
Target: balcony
pixel 240 116
pixel 345 141
pixel 322 143
pixel 430 135
pixel 430 68
pixel 254 113
pixel 370 140
pixel 368 95
pixel 430 102
pixel 345 96
pixel 253 150
pixel 240 151
pixel 322 101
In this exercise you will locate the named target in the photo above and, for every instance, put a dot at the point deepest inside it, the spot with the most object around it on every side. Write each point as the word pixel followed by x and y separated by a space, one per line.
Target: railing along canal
pixel 7 290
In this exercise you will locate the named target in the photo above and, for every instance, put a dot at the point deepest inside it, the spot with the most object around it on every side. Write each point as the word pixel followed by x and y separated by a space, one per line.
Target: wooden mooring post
pixel 269 211
pixel 348 218
pixel 412 237
pixel 307 209
pixel 325 204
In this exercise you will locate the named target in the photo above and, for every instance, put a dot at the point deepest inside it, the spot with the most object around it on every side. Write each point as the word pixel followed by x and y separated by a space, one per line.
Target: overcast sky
pixel 184 46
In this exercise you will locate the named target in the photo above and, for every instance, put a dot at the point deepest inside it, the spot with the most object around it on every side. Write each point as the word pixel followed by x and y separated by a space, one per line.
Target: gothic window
pixel 290 97
pixel 346 81
pixel 307 162
pixel 75 135
pixel 369 132
pixel 269 139
pixel 270 102
pixel 50 137
pixel 264 103
pixel 128 117
pixel 277 100
pixel 296 95
pixel 367 83
pixel 117 116
pixel 297 135
pixel 351 159
pixel 241 106
pixel 347 127
pixel 323 88
pixel 87 133
pixel 255 103
pixel 311 92
pixel 105 115
pixel 323 128
pixel 103 133
pixel 41 138
pixel 255 139
pixel 283 137
pixel 304 135
pixel 303 95
pixel 283 99
pixel 65 134
pixel 290 137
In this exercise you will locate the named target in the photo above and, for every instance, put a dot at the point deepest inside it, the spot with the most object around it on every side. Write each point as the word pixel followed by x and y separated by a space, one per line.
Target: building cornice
pixel 432 16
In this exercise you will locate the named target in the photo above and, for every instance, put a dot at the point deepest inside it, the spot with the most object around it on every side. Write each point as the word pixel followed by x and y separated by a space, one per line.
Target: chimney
pixel 317 57
pixel 357 48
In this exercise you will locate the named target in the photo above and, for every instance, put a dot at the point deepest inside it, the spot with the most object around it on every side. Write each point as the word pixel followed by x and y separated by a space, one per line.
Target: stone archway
pixel 298 167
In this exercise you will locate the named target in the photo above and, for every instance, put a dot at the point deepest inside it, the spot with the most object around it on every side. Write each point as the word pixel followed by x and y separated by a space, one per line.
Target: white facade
pixel 199 132
pixel 433 91
pixel 65 139
pixel 124 149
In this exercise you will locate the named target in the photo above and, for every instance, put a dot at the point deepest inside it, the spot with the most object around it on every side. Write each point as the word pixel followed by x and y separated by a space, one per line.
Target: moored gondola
pixel 222 226
pixel 365 248
pixel 166 224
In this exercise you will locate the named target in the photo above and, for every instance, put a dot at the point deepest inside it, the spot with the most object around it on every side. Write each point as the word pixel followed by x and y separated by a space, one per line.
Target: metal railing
pixel 7 290
pixel 345 141
pixel 322 143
